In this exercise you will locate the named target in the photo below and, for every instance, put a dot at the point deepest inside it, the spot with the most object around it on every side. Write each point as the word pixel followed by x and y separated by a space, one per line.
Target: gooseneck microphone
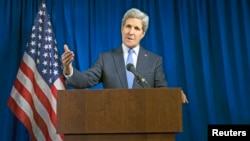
pixel 142 81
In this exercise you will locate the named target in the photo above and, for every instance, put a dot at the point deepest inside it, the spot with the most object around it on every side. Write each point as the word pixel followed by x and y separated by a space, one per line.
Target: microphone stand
pixel 143 83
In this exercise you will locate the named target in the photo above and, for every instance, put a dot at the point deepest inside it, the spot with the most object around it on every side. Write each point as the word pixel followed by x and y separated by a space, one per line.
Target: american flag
pixel 34 92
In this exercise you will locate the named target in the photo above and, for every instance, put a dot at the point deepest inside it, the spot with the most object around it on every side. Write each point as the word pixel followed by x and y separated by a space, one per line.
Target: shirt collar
pixel 136 48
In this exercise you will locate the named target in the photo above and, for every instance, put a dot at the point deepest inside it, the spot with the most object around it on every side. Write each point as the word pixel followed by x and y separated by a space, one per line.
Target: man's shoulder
pixel 111 52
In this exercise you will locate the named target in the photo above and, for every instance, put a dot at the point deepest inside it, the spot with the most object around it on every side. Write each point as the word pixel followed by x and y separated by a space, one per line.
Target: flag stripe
pixel 38 78
pixel 43 104
pixel 39 86
pixel 26 95
pixel 23 113
pixel 58 85
pixel 27 91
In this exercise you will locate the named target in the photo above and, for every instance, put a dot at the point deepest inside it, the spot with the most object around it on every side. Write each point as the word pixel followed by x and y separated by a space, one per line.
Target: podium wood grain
pixel 153 114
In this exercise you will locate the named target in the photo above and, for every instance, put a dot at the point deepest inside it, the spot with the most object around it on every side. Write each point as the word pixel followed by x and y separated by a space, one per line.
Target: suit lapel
pixel 142 61
pixel 120 66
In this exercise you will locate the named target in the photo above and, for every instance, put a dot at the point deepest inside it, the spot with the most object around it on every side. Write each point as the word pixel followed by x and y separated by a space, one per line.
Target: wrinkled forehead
pixel 133 22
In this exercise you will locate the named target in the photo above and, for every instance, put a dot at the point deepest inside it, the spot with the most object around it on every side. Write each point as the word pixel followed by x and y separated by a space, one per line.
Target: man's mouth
pixel 128 38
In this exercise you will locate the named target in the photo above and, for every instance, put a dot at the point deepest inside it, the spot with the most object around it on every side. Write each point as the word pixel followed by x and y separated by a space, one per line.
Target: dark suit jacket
pixel 110 70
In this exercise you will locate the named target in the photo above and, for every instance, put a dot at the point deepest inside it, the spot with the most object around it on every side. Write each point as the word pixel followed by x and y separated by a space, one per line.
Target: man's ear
pixel 143 34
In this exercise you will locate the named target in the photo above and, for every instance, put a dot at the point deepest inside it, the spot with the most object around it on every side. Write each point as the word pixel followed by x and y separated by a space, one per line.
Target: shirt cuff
pixel 69 75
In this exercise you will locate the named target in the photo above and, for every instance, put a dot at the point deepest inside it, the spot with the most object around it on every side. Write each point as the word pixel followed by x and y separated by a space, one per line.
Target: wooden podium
pixel 151 114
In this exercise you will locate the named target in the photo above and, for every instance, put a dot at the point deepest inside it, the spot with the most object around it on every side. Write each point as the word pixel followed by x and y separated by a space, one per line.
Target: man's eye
pixel 137 28
pixel 128 26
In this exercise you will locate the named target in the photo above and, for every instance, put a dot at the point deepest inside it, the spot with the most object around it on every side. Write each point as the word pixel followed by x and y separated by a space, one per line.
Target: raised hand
pixel 67 58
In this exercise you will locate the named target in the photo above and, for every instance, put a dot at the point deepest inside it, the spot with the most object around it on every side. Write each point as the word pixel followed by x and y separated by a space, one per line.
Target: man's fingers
pixel 67 56
pixel 66 48
pixel 184 98
pixel 67 61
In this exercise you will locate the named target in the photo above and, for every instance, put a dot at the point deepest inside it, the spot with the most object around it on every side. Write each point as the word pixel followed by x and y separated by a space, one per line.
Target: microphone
pixel 142 81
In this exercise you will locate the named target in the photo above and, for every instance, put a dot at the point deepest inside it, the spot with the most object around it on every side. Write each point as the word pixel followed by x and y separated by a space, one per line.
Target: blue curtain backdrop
pixel 205 45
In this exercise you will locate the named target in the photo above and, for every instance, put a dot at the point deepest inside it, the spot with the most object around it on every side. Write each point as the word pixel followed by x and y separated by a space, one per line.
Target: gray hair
pixel 136 13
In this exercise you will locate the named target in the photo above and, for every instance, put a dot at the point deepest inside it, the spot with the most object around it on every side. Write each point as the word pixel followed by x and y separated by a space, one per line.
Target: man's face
pixel 132 32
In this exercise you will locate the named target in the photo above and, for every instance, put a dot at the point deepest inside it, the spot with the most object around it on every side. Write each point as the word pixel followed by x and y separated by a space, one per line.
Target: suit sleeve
pixel 160 79
pixel 87 78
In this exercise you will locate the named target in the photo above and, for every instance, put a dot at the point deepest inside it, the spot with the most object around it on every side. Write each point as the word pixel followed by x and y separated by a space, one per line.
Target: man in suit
pixel 110 67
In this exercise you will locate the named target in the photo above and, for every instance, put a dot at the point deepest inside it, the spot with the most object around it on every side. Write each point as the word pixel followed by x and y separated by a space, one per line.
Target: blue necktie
pixel 130 75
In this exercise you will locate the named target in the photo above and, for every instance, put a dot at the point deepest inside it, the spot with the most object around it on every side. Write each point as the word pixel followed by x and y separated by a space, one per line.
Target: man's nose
pixel 131 31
